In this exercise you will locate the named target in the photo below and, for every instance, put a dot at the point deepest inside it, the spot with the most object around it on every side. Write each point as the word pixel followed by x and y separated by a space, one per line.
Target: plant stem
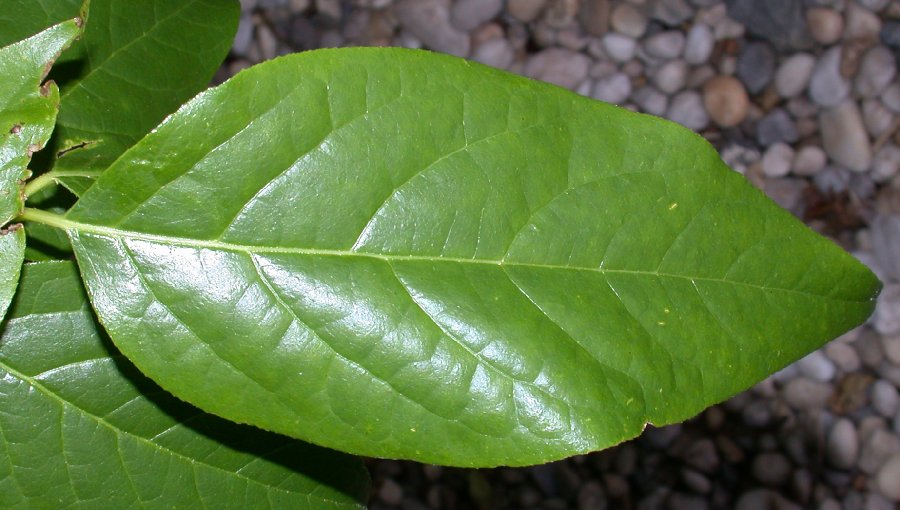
pixel 42 181
pixel 44 217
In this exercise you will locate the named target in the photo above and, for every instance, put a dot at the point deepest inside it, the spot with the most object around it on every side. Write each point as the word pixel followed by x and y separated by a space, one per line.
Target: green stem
pixel 42 181
pixel 47 218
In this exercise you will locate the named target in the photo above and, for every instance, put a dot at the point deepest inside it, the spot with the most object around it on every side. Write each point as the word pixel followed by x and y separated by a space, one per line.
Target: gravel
pixel 803 98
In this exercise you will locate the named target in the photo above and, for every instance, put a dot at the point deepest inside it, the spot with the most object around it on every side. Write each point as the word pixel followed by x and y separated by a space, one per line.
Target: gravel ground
pixel 802 97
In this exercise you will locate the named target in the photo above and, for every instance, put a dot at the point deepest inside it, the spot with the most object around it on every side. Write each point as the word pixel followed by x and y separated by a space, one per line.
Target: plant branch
pixel 52 177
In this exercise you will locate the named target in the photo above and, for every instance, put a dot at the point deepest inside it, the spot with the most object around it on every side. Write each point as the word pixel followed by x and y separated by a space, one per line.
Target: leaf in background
pixel 79 426
pixel 27 115
pixel 405 254
pixel 143 60
pixel 20 19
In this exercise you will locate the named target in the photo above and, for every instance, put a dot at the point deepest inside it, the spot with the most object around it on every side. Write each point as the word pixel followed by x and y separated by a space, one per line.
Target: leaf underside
pixel 404 254
pixel 81 428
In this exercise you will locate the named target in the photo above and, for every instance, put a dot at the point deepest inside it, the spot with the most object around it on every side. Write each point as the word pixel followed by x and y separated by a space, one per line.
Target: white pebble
pixel 777 162
pixel 699 44
pixel 885 399
pixel 817 366
pixel 825 25
pixel 877 117
pixel 628 20
pixel 619 47
pixel 842 447
pixel 887 310
pixel 886 163
pixel 803 393
pixel 651 101
pixel 827 86
pixel 793 74
pixel 844 136
pixel 687 109
pixel 891 97
pixel 495 52
pixel 808 161
pixel 860 23
pixel 559 66
pixel 888 478
pixel 467 15
pixel 665 45
pixel 876 70
pixel 612 89
pixel 671 76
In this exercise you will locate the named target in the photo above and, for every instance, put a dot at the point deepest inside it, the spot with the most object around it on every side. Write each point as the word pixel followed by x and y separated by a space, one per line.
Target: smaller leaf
pixel 80 426
pixel 12 250
pixel 27 110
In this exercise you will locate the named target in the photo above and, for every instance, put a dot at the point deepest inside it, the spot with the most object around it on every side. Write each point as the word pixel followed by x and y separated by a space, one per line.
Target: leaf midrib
pixel 64 223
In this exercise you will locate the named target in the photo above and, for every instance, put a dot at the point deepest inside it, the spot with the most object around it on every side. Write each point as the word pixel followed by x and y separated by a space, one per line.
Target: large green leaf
pixel 12 253
pixel 20 19
pixel 142 60
pixel 81 428
pixel 404 254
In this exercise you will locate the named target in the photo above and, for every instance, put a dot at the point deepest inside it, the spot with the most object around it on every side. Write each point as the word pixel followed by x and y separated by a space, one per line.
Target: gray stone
pixel 874 5
pixel 885 234
pixel 687 109
pixel 890 33
pixel 776 126
pixel 777 160
pixel 699 44
pixel 671 12
pixel 887 310
pixel 696 481
pixel 429 21
pixel 702 456
pixel 619 47
pixel 651 101
pixel 827 87
pixel 844 356
pixel 878 446
pixel 808 160
pixel 885 399
pixel 756 66
pixel 562 67
pixel 876 70
pixel 825 25
pixel 665 45
pixel 391 492
pixel 781 22
pixel 886 163
pixel 877 118
pixel 243 38
pixel 612 89
pixel 495 52
pixel 842 445
pixel 771 468
pixel 891 97
pixel 805 394
pixel 525 10
pixel 888 479
pixel 757 499
pixel 628 20
pixel 671 76
pixel 817 366
pixel 891 347
pixel 467 15
pixel 786 192
pixel 591 496
pixel 860 23
pixel 793 74
pixel 844 136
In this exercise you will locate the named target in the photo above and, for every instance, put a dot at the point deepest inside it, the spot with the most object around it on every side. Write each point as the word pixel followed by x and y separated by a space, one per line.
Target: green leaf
pixel 405 254
pixel 27 110
pixel 12 252
pixel 142 60
pixel 80 427
pixel 20 19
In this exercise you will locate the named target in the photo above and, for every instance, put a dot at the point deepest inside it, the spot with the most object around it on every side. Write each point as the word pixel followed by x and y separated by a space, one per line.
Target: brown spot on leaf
pixel 75 147
pixel 9 229
pixel 32 149
pixel 16 129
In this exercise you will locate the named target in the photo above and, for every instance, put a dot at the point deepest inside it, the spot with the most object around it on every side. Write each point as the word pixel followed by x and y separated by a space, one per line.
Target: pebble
pixel 619 47
pixel 702 456
pixel 429 21
pixel 651 100
pixel 591 496
pixel 559 66
pixel 793 74
pixel 612 89
pixel 890 33
pixel 595 17
pixel 496 52
pixel 876 70
pixel 817 366
pixel 842 446
pixel 891 97
pixel 827 87
pixel 877 117
pixel 696 481
pixel 825 25
pixel 466 15
pixel 887 310
pixel 891 347
pixel 886 163
pixel 879 446
pixel 687 109
pixel 781 22
pixel 726 100
pixel 844 136
pixel 525 10
pixel 772 469
pixel 698 44
pixel 671 12
pixel 776 126
pixel 844 356
pixel 808 161
pixel 888 479
pixel 671 76
pixel 665 45
pixel 885 399
pixel 391 492
pixel 756 66
pixel 628 20
pixel 885 229
pixel 776 162
pixel 805 394
pixel 860 23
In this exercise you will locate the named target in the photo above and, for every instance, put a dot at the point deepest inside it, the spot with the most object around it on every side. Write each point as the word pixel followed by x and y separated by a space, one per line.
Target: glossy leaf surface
pixel 81 428
pixel 20 19
pixel 12 253
pixel 141 61
pixel 404 254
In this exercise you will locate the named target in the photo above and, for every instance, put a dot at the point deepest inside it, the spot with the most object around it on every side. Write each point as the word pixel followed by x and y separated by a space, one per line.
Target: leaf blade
pixel 452 271
pixel 109 433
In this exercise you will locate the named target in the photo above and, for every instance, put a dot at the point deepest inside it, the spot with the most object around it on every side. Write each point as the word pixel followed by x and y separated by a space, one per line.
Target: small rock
pixel 827 86
pixel 874 5
pixel 877 117
pixel 891 348
pixel 757 499
pixel 698 76
pixel 808 160
pixel 466 15
pixel 844 356
pixel 757 414
pixel 612 89
pixel 885 231
pixel 776 126
pixel 699 44
pixel 591 496
pixel 561 13
pixel 429 21
pixel 726 100
pixel 756 66
pixel 885 399
pixel 786 192
pixel 671 76
pixel 805 394
pixel 891 97
pixel 781 22
pixel 817 366
pixel 495 52
pixel 696 481
pixel 687 109
pixel 793 74
pixel 890 33
pixel 886 163
pixel 702 455
pixel 876 71
pixel 628 20
pixel 860 23
pixel 842 447
pixel 879 446
pixel 594 17
pixel 888 479
pixel 619 47
pixel 651 100
pixel 671 12
pixel 561 67
pixel 665 45
pixel 391 492
pixel 243 38
pixel 525 10
pixel 844 136
pixel 825 25
pixel 680 501
pixel 776 162
pixel 772 469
